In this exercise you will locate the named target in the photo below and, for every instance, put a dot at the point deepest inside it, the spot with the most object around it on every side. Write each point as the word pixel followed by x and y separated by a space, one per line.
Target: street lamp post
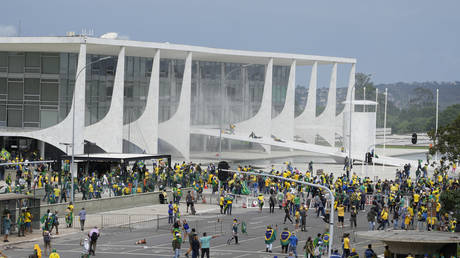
pixel 385 127
pixel 350 159
pixel 72 163
pixel 331 195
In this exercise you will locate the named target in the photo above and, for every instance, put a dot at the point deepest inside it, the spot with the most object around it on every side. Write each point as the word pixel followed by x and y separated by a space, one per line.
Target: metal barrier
pixel 128 222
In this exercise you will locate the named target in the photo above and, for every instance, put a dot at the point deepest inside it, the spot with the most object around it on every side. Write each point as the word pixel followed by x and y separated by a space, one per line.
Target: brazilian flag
pixel 5 154
pixel 270 236
pixel 284 238
pixel 245 189
pixel 244 228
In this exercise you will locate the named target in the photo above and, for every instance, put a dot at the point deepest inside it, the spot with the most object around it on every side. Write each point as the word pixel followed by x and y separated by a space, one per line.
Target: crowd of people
pixel 406 202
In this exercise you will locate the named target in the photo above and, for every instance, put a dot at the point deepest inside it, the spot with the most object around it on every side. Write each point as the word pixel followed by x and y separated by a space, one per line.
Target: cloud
pixel 7 30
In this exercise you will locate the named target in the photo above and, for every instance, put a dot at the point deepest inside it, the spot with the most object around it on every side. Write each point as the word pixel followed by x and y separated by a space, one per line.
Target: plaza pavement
pixel 119 241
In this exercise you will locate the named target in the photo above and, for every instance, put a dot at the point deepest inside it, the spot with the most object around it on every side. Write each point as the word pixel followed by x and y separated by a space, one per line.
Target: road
pixel 120 241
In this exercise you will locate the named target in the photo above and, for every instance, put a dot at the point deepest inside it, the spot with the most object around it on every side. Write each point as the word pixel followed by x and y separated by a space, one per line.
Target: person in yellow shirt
pixel 221 204
pixel 346 245
pixel 28 220
pixel 341 213
pixel 54 254
pixel 384 218
pixel 57 193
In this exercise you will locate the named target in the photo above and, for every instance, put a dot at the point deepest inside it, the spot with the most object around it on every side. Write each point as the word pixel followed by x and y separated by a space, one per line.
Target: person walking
pixel 191 235
pixel 82 215
pixel 284 240
pixel 353 217
pixel 272 202
pixel 6 225
pixel 55 222
pixel 309 248
pixel 287 215
pixel 93 235
pixel 205 244
pixel 260 200
pixel 46 241
pixel 303 219
pixel 177 240
pixel 341 214
pixel 293 240
pixel 234 232
pixel 346 245
pixel 270 237
pixel 189 201
pixel 195 246
pixel 371 219
pixel 369 253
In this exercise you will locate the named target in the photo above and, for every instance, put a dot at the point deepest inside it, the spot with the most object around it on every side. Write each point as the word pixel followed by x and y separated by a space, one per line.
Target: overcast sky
pixel 394 40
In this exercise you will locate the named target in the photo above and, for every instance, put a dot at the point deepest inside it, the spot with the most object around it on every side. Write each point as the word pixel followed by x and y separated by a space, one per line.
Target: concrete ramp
pixel 325 150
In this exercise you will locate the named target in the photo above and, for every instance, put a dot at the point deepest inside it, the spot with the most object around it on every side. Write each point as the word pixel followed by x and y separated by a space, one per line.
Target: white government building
pixel 146 97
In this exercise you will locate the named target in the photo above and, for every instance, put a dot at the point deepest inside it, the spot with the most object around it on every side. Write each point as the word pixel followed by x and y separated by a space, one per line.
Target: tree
pixel 450 202
pixel 447 140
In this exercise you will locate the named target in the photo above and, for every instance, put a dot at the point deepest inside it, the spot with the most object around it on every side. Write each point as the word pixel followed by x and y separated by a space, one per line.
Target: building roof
pixel 168 50
pixel 117 157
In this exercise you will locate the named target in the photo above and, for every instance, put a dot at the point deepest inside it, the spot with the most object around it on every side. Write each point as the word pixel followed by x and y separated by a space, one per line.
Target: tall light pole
pixel 350 159
pixel 222 106
pixel 385 127
pixel 437 113
pixel 331 195
pixel 72 163
pixel 375 136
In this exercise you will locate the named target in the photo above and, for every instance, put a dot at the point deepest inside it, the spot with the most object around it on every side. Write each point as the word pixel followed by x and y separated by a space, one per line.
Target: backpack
pixel 94 236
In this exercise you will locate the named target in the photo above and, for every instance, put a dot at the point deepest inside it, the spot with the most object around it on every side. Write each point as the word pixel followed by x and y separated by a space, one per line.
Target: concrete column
pixel 113 141
pixel 283 124
pixel 41 146
pixel 147 135
pixel 305 122
pixel 260 124
pixel 79 95
pixel 176 131
pixel 326 120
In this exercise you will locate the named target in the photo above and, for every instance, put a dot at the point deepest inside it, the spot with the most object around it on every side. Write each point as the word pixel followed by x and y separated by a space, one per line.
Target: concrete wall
pixel 107 204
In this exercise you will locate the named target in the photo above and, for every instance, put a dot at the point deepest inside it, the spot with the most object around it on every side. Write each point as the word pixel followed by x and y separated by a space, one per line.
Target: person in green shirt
pixel 21 224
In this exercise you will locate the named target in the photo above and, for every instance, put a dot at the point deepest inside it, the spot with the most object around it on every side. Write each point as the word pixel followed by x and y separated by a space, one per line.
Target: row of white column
pixel 108 132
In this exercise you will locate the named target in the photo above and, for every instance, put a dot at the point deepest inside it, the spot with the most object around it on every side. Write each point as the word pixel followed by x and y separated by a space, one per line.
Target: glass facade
pixel 279 88
pixel 171 75
pixel 36 88
pixel 137 79
pixel 99 87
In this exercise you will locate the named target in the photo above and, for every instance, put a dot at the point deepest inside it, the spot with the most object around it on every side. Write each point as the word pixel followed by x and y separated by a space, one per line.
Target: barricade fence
pixel 130 223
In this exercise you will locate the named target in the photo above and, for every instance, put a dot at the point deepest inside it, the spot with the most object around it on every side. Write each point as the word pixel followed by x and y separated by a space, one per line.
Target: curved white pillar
pixel 260 124
pixel 326 120
pixel 283 124
pixel 108 132
pixel 62 132
pixel 176 130
pixel 339 119
pixel 306 120
pixel 147 135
